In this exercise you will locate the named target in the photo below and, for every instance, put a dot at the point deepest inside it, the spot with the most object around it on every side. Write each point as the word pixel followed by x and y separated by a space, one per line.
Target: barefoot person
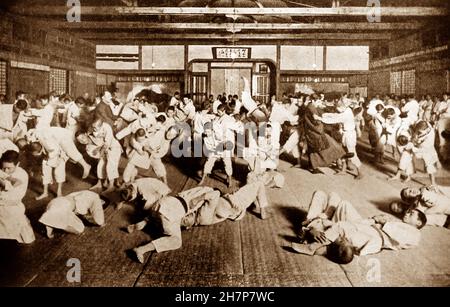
pixel 53 165
pixel 335 223
pixel 52 137
pixel 200 206
pixel 147 190
pixel 347 119
pixel 110 152
pixel 63 212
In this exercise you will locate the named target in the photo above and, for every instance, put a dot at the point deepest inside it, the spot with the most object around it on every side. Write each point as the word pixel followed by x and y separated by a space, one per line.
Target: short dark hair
pixel 206 105
pixel 140 132
pixel 402 140
pixel 43 97
pixel 19 93
pixel 80 100
pixel 65 97
pixel 229 110
pixel 222 107
pixel 389 112
pixel 171 108
pixel 421 125
pixel 22 143
pixel 379 107
pixel 422 218
pixel 408 199
pixel 10 156
pixel 340 253
pixel 161 119
pixel 35 147
pixel 126 193
pixel 21 104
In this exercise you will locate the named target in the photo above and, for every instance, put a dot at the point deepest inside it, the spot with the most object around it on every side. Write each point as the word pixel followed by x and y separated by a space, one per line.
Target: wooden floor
pixel 251 252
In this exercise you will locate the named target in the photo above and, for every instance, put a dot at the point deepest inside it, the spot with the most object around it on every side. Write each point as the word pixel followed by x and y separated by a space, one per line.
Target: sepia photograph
pixel 228 144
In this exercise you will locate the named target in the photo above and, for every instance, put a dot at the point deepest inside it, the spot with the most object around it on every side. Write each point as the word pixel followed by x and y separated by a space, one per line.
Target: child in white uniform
pixel 422 147
pixel 110 153
pixel 44 115
pixel 148 152
pixel 54 162
pixel 73 115
pixel 215 150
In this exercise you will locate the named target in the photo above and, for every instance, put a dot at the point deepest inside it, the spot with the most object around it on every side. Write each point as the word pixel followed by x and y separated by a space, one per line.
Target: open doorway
pixel 228 80
pixel 215 77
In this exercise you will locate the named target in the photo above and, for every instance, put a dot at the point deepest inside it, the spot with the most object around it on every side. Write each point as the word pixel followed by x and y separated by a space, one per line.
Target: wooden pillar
pixel 278 73
pixel 140 57
pixel 185 88
pixel 324 58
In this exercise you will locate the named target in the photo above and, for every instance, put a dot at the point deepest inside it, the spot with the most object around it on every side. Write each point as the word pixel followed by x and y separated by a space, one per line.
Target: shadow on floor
pixel 294 215
pixel 383 204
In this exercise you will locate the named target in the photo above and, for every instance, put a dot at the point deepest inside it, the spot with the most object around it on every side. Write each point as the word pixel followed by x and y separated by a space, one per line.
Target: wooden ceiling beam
pixel 350 26
pixel 48 10
pixel 127 36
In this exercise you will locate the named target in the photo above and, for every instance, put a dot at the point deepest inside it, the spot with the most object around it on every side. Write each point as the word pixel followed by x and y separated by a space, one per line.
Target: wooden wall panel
pixel 33 82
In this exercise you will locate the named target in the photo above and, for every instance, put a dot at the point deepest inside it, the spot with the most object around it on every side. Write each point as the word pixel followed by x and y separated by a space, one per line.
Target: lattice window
pixel 199 84
pixel 409 82
pixel 396 82
pixel 262 89
pixel 3 77
pixel 58 81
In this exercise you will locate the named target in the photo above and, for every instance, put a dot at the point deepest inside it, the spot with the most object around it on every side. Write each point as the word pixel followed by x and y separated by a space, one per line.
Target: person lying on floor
pixel 200 206
pixel 337 230
pixel 63 212
pixel 433 201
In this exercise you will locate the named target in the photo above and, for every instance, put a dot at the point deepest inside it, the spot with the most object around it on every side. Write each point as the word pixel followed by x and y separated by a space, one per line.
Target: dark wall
pixel 30 81
pixel 379 82
pixel 425 51
pixel 21 41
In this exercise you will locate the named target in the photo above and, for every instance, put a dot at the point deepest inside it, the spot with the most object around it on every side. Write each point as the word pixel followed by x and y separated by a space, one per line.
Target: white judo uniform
pixel 56 137
pixel 150 190
pixel 435 203
pixel 14 224
pixel 12 127
pixel 6 145
pixel 337 217
pixel 411 108
pixel 43 116
pixel 159 147
pixel 63 212
pixel 73 114
pixel 421 148
pixel 108 165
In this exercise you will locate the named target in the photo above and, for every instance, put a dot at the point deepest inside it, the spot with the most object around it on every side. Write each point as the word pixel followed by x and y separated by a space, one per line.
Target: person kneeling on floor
pixel 63 212
pixel 199 206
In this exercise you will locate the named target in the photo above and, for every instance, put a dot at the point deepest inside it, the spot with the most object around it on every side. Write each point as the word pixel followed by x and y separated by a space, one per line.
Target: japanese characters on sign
pixel 231 53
